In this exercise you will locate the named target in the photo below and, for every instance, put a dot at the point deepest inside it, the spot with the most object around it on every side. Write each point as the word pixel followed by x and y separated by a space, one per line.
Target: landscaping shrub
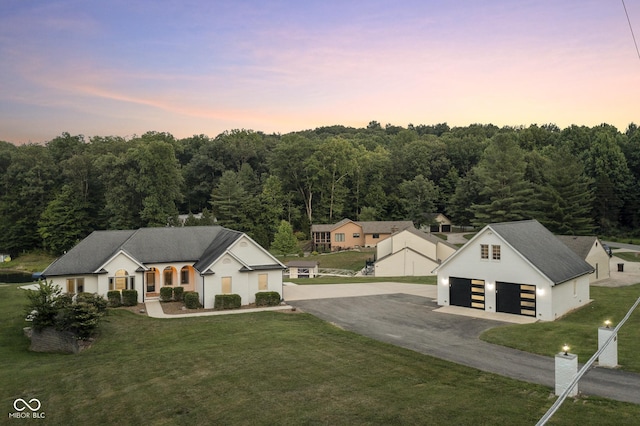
pixel 114 298
pixel 48 307
pixel 191 300
pixel 93 299
pixel 129 297
pixel 178 294
pixel 166 294
pixel 227 301
pixel 267 298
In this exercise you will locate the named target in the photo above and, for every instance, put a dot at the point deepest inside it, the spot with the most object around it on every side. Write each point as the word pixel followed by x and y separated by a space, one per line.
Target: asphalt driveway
pixel 411 321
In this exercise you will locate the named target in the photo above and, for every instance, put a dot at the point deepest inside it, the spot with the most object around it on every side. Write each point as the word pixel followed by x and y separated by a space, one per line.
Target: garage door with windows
pixel 466 292
pixel 517 299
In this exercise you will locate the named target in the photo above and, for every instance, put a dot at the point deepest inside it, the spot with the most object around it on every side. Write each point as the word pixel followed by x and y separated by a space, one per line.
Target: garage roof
pixel 542 249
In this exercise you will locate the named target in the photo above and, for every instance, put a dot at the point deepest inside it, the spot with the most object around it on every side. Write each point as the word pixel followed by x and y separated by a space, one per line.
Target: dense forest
pixel 577 180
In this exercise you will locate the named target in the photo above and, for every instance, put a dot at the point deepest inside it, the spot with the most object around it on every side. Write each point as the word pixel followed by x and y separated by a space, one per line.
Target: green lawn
pixel 262 368
pixel 629 256
pixel 580 329
pixel 348 259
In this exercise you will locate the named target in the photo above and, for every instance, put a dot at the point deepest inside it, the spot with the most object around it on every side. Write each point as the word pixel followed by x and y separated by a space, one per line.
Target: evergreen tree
pixel 504 192
pixel 565 202
pixel 284 241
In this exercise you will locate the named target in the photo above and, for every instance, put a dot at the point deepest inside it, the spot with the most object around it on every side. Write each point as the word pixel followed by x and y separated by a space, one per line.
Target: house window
pixel 75 285
pixel 184 275
pixel 340 237
pixel 263 281
pixel 168 275
pixel 150 278
pixel 121 281
pixel 356 235
pixel 226 285
pixel 484 251
pixel 375 236
pixel 495 252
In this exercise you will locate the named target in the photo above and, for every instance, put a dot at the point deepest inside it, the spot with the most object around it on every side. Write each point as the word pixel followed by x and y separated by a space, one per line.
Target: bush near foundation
pixel 114 298
pixel 178 294
pixel 191 300
pixel 227 301
pixel 166 294
pixel 129 297
pixel 267 298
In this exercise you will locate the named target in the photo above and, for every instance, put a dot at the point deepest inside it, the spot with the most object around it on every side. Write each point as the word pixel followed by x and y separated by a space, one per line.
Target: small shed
pixel 302 269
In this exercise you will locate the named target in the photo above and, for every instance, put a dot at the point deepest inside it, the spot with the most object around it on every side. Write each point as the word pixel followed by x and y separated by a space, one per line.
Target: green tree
pixel 504 192
pixel 227 201
pixel 418 198
pixel 65 221
pixel 565 200
pixel 284 241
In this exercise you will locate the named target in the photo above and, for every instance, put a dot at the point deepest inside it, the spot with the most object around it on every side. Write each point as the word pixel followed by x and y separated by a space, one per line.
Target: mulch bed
pixel 174 308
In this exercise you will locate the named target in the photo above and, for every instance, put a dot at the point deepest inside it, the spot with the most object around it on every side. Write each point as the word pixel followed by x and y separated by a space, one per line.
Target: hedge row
pixel 267 298
pixel 116 298
pixel 227 301
pixel 168 294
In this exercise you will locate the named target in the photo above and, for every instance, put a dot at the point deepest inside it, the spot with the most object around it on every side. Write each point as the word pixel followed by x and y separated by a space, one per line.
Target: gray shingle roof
pixel 146 245
pixel 581 245
pixel 546 252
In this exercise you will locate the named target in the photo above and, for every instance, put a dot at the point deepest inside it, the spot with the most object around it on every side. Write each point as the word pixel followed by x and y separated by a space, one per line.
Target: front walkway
pixel 154 310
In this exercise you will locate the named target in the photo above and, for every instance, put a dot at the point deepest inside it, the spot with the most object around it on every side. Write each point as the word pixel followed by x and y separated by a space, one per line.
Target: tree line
pixel 577 180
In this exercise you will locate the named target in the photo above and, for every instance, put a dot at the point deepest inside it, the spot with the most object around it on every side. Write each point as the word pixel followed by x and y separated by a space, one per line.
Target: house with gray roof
pixel 210 260
pixel 590 249
pixel 349 234
pixel 518 268
pixel 410 252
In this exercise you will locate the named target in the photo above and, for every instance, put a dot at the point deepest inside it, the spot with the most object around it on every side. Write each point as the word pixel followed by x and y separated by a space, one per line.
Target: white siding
pixel 404 263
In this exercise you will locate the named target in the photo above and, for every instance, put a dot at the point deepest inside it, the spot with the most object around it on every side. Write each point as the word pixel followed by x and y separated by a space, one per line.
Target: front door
pixel 150 279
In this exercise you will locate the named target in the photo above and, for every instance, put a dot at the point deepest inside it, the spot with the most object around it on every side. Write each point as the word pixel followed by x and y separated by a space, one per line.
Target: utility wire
pixel 631 28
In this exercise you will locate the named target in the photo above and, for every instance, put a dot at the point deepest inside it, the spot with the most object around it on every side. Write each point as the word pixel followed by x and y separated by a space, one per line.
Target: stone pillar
pixel 609 356
pixel 566 369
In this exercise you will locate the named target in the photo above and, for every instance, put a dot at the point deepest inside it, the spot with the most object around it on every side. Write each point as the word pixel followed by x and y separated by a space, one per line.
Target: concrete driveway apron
pixel 415 322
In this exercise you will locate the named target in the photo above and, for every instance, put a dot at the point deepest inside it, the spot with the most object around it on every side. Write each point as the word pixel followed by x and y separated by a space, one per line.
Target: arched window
pixel 184 275
pixel 150 279
pixel 167 275
pixel 121 279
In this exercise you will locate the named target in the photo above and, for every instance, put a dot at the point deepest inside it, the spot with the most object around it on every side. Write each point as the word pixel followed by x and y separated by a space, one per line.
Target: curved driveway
pixel 409 317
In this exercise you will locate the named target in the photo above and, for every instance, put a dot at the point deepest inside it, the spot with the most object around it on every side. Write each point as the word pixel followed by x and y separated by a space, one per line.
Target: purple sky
pixel 202 67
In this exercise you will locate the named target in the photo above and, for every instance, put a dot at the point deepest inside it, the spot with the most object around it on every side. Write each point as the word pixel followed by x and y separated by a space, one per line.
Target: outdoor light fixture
pixel 607 323
pixel 566 348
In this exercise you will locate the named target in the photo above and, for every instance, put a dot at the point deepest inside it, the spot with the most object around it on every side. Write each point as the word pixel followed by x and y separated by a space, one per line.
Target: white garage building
pixel 517 268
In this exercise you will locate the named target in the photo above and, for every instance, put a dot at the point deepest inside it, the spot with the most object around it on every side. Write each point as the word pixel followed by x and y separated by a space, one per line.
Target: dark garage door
pixel 517 299
pixel 466 292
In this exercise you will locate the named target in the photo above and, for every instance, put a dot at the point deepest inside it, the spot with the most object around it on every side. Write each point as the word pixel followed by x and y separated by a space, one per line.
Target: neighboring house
pixel 208 259
pixel 410 252
pixel 518 268
pixel 302 269
pixel 439 223
pixel 348 234
pixel 591 250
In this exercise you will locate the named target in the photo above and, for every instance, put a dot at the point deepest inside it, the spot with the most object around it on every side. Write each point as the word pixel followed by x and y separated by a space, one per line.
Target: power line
pixel 631 28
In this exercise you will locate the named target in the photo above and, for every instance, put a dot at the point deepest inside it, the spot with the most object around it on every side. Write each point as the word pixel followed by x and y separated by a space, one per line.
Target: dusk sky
pixel 202 67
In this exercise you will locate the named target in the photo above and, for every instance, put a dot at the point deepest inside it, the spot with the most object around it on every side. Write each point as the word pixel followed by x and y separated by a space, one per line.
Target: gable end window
pixel 356 235
pixel 340 237
pixel 376 236
pixel 484 251
pixel 495 252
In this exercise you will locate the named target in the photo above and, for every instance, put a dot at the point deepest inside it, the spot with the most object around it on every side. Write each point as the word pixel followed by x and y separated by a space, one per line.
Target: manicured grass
pixel 629 256
pixel 29 262
pixel 580 329
pixel 263 368
pixel 358 280
pixel 349 259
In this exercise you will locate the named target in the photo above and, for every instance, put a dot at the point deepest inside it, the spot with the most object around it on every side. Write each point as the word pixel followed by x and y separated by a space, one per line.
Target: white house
pixel 591 250
pixel 410 252
pixel 518 268
pixel 208 259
